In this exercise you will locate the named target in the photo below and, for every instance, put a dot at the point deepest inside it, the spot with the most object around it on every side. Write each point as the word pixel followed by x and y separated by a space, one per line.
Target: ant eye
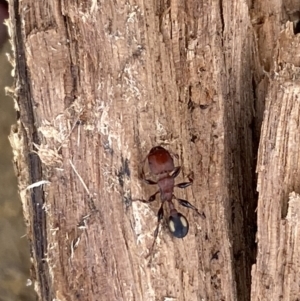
pixel 178 225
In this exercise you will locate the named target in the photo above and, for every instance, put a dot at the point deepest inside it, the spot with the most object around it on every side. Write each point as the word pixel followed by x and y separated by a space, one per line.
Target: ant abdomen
pixel 178 225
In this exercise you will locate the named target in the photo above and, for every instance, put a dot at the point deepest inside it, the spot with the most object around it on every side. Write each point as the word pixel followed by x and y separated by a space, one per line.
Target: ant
pixel 161 164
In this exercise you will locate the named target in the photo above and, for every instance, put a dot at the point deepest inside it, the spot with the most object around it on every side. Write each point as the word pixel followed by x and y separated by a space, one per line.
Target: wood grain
pixel 98 85
pixel 274 275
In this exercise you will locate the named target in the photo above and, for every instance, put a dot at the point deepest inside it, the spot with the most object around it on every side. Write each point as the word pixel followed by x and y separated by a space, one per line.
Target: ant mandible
pixel 161 164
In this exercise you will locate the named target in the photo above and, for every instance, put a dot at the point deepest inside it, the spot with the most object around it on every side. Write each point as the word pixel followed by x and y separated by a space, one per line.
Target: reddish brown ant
pixel 161 164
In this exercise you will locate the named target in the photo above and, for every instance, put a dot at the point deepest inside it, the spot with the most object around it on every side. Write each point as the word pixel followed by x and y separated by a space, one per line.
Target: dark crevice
pixel 222 17
pixel 297 27
pixel 241 138
pixel 38 224
pixel 74 71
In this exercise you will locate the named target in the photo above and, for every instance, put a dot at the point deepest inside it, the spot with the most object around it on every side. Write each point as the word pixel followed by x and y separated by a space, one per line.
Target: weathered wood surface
pixel 99 84
pixel 276 273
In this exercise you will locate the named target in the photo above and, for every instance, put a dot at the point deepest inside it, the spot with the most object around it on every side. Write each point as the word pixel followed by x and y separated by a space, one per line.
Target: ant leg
pixel 176 172
pixel 150 182
pixel 160 216
pixel 187 204
pixel 186 184
pixel 151 198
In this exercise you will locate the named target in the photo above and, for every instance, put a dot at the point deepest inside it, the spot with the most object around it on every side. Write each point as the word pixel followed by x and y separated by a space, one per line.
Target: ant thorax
pixel 166 186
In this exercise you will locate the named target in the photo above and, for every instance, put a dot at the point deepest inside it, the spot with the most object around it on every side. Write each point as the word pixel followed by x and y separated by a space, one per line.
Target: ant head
pixel 178 224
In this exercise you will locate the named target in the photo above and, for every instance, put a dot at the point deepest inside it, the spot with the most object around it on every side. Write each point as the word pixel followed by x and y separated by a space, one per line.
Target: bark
pixel 100 83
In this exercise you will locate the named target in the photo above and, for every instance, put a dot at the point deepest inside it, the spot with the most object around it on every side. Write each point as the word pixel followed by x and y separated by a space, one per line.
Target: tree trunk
pixel 98 84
